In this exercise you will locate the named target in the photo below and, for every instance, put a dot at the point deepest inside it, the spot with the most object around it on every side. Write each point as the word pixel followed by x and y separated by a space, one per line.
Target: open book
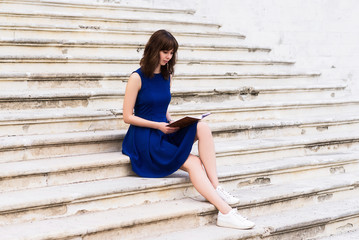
pixel 187 120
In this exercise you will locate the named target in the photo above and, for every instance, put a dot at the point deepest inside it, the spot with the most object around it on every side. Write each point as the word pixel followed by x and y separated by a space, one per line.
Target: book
pixel 187 120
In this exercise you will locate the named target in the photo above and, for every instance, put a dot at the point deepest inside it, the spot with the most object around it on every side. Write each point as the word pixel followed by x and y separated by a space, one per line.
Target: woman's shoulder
pixel 138 71
pixel 137 74
pixel 135 79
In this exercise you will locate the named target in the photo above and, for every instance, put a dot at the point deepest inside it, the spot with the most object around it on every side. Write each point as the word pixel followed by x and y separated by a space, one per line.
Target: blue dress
pixel 154 154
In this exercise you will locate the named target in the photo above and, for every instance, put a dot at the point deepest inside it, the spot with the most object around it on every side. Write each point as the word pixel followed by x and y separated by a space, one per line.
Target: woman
pixel 157 150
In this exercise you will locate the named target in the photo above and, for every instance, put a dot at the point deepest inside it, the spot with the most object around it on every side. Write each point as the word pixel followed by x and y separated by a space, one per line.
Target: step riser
pixel 244 82
pixel 245 156
pixel 261 97
pixel 49 126
pixel 50 66
pixel 146 25
pixel 103 9
pixel 249 114
pixel 288 204
pixel 154 227
pixel 116 101
pixel 187 190
pixel 151 229
pixel 300 173
pixel 285 131
pixel 90 103
pixel 43 151
pixel 78 81
pixel 120 83
pixel 317 230
pixel 295 95
pixel 121 50
pixel 61 178
pixel 339 227
pixel 48 151
pixel 97 35
pixel 219 53
pixel 273 206
pixel 262 155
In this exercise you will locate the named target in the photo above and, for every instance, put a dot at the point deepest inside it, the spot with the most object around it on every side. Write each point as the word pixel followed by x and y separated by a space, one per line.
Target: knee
pixel 192 163
pixel 203 128
pixel 202 125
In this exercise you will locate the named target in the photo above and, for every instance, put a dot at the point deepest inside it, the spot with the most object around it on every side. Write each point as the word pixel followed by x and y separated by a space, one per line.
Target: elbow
pixel 125 119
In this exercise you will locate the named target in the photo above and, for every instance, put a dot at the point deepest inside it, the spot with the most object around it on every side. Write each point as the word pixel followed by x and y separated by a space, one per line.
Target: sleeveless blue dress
pixel 154 154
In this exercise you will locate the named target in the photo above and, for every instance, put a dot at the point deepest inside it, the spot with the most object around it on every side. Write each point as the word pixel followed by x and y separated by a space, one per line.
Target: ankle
pixel 226 210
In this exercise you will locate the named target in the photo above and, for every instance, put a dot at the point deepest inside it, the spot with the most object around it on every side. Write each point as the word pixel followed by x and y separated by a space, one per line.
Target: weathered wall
pixel 318 34
pixel 322 35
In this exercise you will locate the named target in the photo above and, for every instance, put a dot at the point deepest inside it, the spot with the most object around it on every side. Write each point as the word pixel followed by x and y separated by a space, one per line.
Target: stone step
pixel 100 21
pixel 96 7
pixel 257 94
pixel 117 80
pixel 309 126
pixel 54 121
pixel 120 48
pixel 302 223
pixel 89 64
pixel 262 188
pixel 345 233
pixel 85 32
pixel 89 224
pixel 63 170
pixel 112 99
pixel 248 79
pixel 16 148
pixel 75 169
pixel 62 98
pixel 264 149
pixel 246 111
pixel 181 215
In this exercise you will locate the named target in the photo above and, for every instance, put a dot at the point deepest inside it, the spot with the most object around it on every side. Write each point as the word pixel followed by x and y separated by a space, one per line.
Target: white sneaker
pixel 226 196
pixel 233 220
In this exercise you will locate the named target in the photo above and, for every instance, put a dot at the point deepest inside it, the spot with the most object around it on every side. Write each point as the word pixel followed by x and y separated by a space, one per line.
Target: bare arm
pixel 168 115
pixel 132 88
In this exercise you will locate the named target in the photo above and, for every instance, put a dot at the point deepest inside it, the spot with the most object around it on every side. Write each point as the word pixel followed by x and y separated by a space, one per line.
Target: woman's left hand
pixel 163 127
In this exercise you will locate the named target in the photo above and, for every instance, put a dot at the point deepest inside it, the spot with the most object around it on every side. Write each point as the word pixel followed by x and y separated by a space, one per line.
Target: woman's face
pixel 165 56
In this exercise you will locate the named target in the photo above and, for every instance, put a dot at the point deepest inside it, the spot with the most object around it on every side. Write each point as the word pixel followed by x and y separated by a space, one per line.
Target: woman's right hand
pixel 163 127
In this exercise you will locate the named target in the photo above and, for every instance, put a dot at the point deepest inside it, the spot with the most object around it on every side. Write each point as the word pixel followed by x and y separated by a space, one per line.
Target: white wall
pixel 319 34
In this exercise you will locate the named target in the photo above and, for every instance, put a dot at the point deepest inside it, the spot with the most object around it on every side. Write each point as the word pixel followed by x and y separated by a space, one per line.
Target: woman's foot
pixel 233 220
pixel 226 196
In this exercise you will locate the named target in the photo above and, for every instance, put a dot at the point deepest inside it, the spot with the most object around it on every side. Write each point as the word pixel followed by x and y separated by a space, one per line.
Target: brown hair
pixel 159 41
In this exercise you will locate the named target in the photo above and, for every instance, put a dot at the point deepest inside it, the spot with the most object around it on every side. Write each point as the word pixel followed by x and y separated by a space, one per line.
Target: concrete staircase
pixel 286 138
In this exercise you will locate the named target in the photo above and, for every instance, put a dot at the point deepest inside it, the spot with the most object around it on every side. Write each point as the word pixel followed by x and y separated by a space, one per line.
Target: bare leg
pixel 200 181
pixel 207 152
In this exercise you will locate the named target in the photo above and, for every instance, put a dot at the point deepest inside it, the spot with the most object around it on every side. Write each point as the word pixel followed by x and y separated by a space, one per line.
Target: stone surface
pixel 351 235
pixel 285 132
pixel 262 187
pixel 308 222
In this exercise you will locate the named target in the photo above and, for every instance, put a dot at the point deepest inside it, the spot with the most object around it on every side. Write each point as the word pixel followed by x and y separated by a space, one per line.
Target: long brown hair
pixel 160 40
